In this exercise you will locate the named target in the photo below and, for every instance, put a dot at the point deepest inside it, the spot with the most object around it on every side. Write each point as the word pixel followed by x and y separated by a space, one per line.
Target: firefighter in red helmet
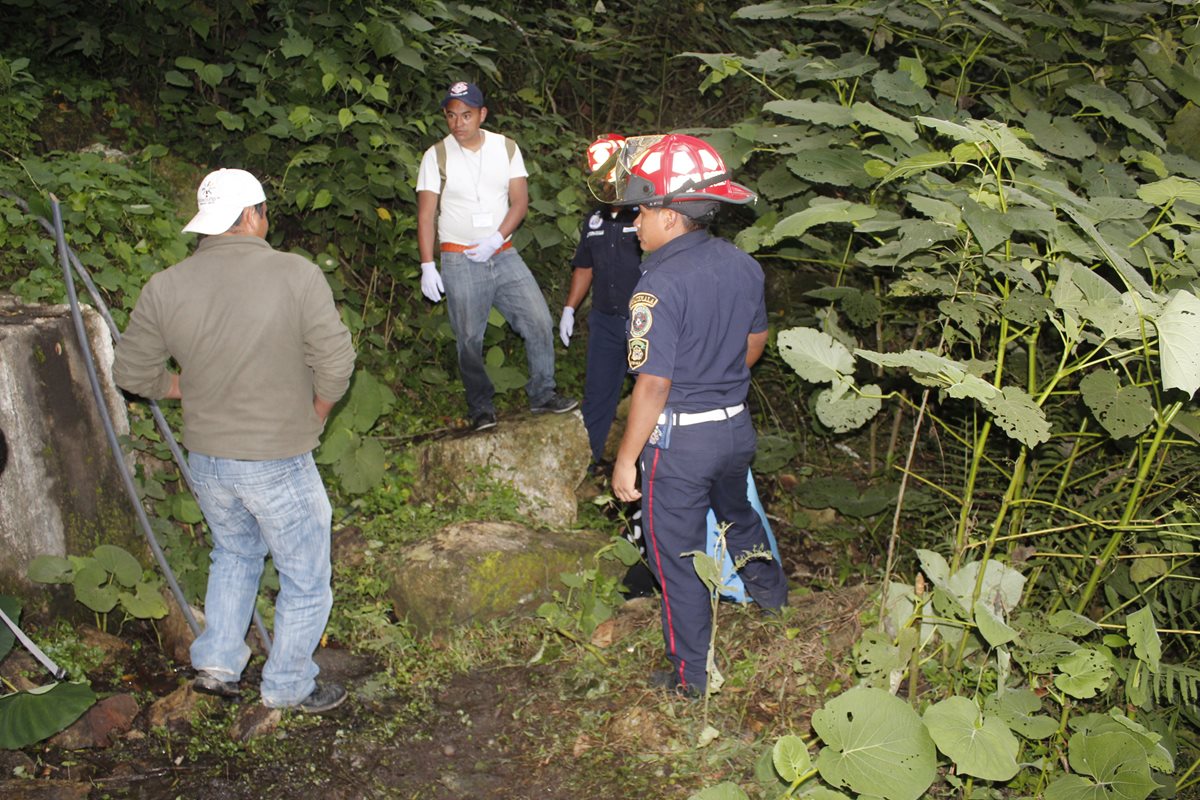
pixel 607 263
pixel 697 323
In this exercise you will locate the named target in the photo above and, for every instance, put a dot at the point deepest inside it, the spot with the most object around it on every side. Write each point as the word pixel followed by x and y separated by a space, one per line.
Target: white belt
pixel 703 416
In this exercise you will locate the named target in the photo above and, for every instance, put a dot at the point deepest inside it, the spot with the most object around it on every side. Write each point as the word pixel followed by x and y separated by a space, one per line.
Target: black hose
pixel 89 362
pixel 159 420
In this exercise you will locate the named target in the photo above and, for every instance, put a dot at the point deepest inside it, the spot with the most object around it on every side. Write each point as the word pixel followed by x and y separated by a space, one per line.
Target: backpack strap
pixel 439 152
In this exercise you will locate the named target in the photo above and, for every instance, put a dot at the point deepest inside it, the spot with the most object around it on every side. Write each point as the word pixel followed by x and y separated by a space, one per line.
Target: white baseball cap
pixel 221 197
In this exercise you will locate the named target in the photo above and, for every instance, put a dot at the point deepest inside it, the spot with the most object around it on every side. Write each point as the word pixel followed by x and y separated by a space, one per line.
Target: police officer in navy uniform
pixel 697 322
pixel 608 261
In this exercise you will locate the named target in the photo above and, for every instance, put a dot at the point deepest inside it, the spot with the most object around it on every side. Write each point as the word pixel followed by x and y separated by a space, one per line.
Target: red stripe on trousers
pixel 658 559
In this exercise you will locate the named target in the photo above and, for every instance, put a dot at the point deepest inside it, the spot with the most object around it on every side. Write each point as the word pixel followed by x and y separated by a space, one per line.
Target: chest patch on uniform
pixel 640 320
pixel 639 351
pixel 595 221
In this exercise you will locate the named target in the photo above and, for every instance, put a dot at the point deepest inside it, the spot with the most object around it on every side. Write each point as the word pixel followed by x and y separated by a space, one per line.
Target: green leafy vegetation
pixel 979 224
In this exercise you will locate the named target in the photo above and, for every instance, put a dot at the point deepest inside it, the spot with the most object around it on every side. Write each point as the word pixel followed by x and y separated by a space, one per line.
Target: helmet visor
pixel 609 182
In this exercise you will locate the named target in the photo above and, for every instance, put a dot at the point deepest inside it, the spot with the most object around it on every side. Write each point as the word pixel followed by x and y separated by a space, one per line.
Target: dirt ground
pixel 506 730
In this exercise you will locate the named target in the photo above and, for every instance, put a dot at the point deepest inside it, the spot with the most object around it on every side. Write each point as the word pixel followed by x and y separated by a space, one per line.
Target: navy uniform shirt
pixel 609 245
pixel 699 299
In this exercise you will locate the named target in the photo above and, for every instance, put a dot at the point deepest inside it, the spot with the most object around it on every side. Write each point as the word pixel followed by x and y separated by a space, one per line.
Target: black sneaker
pixel 668 680
pixel 207 683
pixel 326 697
pixel 483 422
pixel 555 404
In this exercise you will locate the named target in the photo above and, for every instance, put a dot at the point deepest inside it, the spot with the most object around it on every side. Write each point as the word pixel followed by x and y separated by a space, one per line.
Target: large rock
pixel 473 571
pixel 543 457
pixel 61 491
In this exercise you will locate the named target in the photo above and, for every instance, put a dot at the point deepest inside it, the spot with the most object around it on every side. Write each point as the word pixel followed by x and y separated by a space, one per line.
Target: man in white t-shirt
pixel 471 196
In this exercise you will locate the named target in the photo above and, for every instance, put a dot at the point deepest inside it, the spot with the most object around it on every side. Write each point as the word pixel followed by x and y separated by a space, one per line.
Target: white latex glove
pixel 431 281
pixel 566 325
pixel 485 248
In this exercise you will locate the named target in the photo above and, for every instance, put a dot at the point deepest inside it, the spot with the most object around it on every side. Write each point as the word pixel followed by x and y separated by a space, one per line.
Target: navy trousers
pixel 606 369
pixel 704 466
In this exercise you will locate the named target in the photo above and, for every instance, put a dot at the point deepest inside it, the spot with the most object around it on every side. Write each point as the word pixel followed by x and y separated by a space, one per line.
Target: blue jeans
pixel 254 508
pixel 607 364
pixel 505 282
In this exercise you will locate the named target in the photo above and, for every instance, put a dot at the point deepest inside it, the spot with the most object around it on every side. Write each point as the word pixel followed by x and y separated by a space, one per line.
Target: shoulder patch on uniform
pixel 595 221
pixel 643 298
pixel 640 320
pixel 639 351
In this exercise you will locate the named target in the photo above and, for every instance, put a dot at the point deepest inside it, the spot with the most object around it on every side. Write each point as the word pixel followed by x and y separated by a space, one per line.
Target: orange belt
pixel 450 247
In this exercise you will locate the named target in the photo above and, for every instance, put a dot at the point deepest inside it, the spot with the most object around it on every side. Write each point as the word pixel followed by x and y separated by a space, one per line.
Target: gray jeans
pixel 505 282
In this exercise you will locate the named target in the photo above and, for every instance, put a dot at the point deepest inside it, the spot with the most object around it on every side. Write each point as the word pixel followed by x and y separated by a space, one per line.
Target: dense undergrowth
pixel 980 226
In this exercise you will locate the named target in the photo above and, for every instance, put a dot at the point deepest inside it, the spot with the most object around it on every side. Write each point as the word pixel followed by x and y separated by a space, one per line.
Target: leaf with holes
pixel 1018 709
pixel 850 410
pixel 1143 635
pixel 875 744
pixel 1083 673
pixel 1124 411
pixel 1116 764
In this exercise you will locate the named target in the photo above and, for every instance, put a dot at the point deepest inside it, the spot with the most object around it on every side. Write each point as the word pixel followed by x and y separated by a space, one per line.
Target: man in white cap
pixel 263 356
pixel 471 196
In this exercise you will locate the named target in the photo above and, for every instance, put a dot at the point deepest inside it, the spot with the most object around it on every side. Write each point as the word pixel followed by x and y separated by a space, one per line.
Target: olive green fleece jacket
pixel 255 334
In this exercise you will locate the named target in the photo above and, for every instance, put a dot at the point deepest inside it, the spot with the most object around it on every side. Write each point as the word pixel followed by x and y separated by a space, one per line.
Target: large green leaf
pixel 1019 416
pixel 29 717
pixel 117 560
pixel 1168 190
pixel 1062 136
pixel 1083 673
pixel 1114 761
pixel 815 355
pixel 1157 754
pixel 843 412
pixel 722 791
pixel 875 744
pixel 1018 708
pixel 146 603
pixel 1115 107
pixel 978 744
pixel 50 569
pixel 834 166
pixel 1124 411
pixel 816 111
pixel 1178 331
pixel 930 369
pixel 362 467
pixel 93 588
pixel 1085 295
pixel 874 117
pixel 1143 635
pixel 820 212
pixel 791 758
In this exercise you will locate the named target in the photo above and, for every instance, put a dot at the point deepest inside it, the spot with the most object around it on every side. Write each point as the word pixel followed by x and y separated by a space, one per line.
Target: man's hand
pixel 485 248
pixel 624 481
pixel 431 282
pixel 566 325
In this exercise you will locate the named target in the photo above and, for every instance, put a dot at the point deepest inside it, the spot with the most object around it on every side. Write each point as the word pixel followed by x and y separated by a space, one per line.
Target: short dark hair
pixel 244 218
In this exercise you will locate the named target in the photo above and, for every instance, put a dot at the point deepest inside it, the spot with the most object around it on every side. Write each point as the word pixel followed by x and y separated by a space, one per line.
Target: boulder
pixel 100 725
pixel 542 457
pixel 473 571
pixel 61 491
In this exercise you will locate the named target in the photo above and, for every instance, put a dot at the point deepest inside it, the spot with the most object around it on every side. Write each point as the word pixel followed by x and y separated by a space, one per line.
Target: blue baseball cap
pixel 469 93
